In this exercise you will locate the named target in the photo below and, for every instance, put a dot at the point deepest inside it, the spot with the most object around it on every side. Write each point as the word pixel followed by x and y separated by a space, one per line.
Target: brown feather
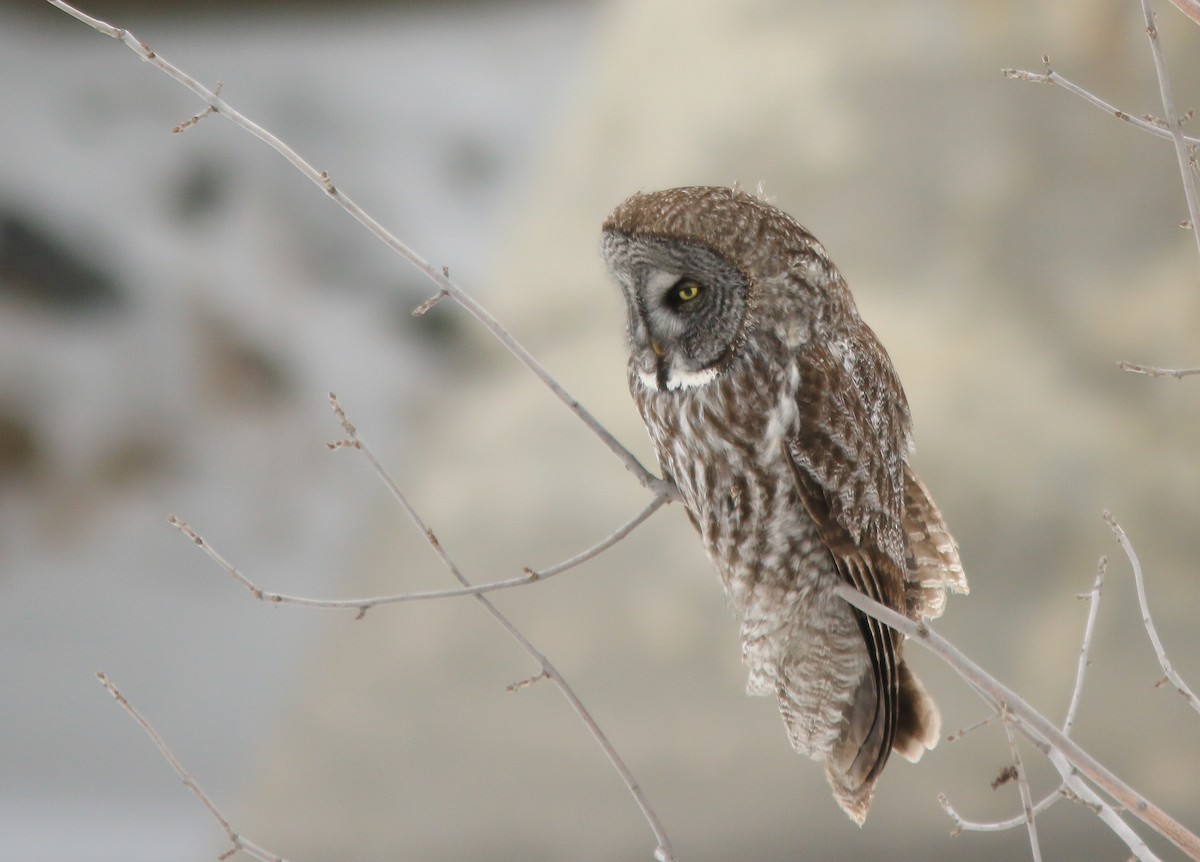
pixel 933 563
pixel 853 782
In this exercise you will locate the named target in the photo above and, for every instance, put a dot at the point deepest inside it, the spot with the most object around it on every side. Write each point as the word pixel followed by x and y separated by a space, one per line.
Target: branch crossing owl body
pixel 777 413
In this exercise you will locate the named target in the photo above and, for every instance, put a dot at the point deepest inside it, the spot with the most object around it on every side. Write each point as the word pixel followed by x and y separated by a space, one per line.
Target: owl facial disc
pixel 662 316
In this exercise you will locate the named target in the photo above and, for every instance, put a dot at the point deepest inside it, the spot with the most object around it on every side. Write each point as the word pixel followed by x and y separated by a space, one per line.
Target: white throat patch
pixel 679 379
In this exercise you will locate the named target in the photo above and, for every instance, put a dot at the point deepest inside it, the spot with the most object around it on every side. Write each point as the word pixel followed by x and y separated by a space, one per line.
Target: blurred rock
pixel 46 270
pixel 18 445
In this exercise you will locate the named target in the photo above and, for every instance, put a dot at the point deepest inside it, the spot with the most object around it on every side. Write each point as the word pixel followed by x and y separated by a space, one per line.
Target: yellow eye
pixel 688 291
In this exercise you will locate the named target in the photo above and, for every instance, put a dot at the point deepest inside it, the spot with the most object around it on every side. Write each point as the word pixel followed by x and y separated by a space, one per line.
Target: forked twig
pixel 1146 124
pixel 237 841
pixel 1171 126
pixel 1174 127
pixel 1139 583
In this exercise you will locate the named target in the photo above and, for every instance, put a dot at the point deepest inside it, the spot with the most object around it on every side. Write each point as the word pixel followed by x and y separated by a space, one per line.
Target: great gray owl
pixel 778 414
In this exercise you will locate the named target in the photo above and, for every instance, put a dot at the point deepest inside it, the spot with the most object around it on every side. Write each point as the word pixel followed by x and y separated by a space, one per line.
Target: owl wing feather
pixel 933 564
pixel 846 458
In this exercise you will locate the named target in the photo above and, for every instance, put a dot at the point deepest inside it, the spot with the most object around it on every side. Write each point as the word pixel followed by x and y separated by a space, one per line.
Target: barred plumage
pixel 779 415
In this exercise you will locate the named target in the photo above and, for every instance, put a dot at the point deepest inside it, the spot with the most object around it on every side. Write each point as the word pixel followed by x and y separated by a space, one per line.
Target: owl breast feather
pixel 726 453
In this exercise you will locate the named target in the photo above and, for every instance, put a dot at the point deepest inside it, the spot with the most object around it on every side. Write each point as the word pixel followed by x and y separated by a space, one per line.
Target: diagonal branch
pixel 438 276
pixel 237 841
pixel 1146 124
pixel 1082 793
pixel 1031 723
pixel 1191 8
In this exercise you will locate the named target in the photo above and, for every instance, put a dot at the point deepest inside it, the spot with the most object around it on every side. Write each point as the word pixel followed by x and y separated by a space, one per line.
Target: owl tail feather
pixel 855 801
pixel 918 724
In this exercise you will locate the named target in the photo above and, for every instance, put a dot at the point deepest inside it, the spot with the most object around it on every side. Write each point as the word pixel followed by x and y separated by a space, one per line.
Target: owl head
pixel 702 269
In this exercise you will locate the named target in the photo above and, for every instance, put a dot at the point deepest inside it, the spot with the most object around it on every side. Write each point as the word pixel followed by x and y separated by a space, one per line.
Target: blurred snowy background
pixel 173 310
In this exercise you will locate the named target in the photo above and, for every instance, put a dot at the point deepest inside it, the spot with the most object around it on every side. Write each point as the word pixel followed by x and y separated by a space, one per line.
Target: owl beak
pixel 656 347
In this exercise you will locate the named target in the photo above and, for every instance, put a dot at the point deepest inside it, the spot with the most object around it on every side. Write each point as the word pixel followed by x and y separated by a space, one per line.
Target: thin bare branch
pixel 362 605
pixel 1031 724
pixel 237 842
pixel 1051 77
pixel 1174 126
pixel 983 722
pixel 1152 371
pixel 1028 814
pixel 962 824
pixel 439 276
pixel 1139 582
pixel 1093 597
pixel 603 545
pixel 663 852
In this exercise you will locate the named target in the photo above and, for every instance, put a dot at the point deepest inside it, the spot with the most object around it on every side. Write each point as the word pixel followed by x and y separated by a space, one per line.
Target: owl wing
pixel 847 460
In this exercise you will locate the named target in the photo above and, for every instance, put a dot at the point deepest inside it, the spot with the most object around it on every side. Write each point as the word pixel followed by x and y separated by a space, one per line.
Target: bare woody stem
pixel 1026 798
pixel 365 603
pixel 1146 124
pixel 237 842
pixel 1170 674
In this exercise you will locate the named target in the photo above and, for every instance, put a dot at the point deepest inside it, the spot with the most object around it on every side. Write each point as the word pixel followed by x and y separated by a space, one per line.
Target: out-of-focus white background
pixel 173 310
